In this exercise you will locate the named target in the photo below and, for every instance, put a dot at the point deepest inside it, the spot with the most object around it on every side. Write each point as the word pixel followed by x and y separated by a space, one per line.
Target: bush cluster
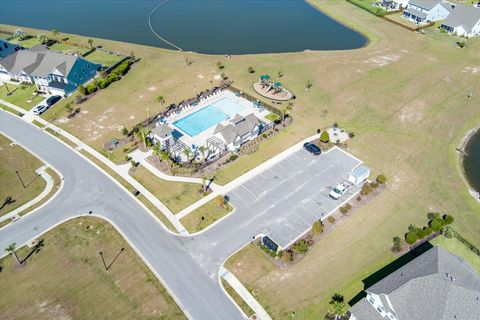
pixel 302 245
pixel 324 137
pixel 317 227
pixel 104 81
pixel 331 219
pixel 435 224
pixel 368 187
pixel 381 179
pixel 344 210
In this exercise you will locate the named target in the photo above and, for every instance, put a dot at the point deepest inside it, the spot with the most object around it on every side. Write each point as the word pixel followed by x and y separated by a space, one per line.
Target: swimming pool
pixel 209 116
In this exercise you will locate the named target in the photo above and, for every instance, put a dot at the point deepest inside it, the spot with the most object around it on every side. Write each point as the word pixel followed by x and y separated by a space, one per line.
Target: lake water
pixel 471 161
pixel 204 26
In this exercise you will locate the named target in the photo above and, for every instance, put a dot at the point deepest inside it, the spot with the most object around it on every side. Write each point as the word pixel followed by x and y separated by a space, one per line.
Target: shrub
pixel 343 210
pixel 351 135
pixel 366 189
pixel 397 243
pixel 232 158
pixel 251 70
pixel 82 90
pixel 448 219
pixel 428 231
pixel 324 137
pixel 301 246
pixel 331 219
pixel 90 88
pixel 436 224
pixel 220 65
pixel 411 238
pixel 420 233
pixel 122 68
pixel 125 131
pixel 433 216
pixel 447 232
pixel 381 179
pixel 317 227
pixel 221 201
pixel 359 198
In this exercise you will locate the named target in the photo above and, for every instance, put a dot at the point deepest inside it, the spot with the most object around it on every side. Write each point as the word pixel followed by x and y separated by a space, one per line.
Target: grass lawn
pixel 459 249
pixel 66 48
pixel 238 300
pixel 405 96
pixel 28 43
pixel 368 6
pixel 127 186
pixel 18 96
pixel 5 36
pixel 12 159
pixel 66 279
pixel 103 58
pixel 175 195
pixel 211 212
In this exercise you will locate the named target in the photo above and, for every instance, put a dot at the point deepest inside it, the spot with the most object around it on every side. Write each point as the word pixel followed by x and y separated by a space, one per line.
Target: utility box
pixel 359 174
pixel 269 243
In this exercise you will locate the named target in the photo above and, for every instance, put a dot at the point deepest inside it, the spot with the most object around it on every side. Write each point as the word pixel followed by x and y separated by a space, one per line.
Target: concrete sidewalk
pixel 243 292
pixel 50 182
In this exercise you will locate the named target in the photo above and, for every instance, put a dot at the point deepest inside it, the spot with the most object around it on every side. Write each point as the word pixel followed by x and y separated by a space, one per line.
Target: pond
pixel 203 26
pixel 471 161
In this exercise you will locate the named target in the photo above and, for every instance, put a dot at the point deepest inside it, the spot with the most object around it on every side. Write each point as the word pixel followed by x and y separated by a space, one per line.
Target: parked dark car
pixel 52 100
pixel 312 148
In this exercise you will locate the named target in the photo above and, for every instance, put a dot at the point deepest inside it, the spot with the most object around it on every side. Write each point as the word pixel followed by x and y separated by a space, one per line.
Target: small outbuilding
pixel 359 174
pixel 163 134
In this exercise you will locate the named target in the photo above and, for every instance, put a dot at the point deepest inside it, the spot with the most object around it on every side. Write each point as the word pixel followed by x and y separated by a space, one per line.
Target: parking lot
pixel 290 196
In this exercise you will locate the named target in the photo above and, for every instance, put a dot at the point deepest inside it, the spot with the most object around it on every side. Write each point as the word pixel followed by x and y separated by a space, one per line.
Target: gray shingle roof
pixel 436 285
pixel 38 61
pixel 425 4
pixel 238 126
pixel 162 131
pixel 363 310
pixel 465 16
pixel 416 13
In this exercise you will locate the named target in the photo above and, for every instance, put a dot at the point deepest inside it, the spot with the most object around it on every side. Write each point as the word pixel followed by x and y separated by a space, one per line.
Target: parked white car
pixel 340 190
pixel 40 109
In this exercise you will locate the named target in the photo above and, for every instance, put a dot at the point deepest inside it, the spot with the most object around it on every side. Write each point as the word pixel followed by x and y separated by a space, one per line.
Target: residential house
pixel 463 21
pixel 238 130
pixel 7 48
pixel 163 134
pixel 436 285
pixel 425 11
pixel 391 5
pixel 52 72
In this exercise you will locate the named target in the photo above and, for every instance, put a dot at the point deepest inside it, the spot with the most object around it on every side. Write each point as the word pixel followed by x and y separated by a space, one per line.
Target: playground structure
pixel 271 89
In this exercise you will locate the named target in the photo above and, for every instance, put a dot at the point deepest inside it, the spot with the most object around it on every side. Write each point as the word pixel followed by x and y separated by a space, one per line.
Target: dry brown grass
pixel 66 279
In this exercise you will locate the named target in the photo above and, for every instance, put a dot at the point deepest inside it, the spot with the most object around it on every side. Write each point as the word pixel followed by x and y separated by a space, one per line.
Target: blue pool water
pixel 209 116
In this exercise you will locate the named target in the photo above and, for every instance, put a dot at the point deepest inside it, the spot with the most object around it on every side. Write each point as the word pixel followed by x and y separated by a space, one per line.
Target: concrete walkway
pixel 243 292
pixel 120 170
pixel 50 182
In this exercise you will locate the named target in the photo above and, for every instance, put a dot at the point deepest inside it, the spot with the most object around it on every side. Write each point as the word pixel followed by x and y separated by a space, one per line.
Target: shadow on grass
pixel 388 269
pixel 36 249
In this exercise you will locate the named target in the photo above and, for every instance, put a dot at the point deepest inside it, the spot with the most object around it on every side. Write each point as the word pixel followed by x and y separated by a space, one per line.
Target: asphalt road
pixel 282 202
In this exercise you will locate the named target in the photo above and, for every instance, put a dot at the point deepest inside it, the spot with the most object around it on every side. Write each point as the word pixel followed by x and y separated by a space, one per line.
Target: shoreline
pixel 461 155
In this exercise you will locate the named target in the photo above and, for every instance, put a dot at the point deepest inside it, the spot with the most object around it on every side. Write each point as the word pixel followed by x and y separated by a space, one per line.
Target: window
pixel 83 69
pixel 89 66
pixel 75 75
pixel 5 45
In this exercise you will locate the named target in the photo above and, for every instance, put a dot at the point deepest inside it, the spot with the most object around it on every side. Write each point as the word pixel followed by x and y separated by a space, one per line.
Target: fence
pixel 467 243
pixel 386 18
pixel 254 99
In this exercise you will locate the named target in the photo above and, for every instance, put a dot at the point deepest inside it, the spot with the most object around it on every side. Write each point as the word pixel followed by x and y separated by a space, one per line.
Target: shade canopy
pixel 265 77
pixel 277 84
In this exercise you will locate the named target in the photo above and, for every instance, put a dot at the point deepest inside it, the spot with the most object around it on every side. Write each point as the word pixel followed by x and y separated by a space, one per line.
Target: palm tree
pixel 308 85
pixel 202 150
pixel 55 33
pixel 161 100
pixel 337 306
pixel 156 150
pixel 188 153
pixel 90 42
pixel 11 250
pixel 24 88
pixel 165 157
pixel 8 90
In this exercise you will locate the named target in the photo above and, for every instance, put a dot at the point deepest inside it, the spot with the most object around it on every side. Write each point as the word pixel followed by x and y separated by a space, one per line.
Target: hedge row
pixel 104 82
pixel 435 224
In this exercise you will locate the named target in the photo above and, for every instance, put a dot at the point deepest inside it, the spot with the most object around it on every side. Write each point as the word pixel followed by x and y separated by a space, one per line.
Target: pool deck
pixel 201 138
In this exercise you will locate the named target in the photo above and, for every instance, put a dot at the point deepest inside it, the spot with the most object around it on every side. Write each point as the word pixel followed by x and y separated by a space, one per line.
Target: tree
pixel 156 150
pixel 42 38
pixel 324 137
pixel 55 33
pixel 221 201
pixel 280 74
pixel 202 151
pixel 433 215
pixel 125 132
pixel 90 42
pixel 447 232
pixel 68 107
pixel 382 179
pixel 82 90
pixel 8 89
pixel 436 224
pixel 308 85
pixel 448 219
pixel 251 70
pixel 160 99
pixel 165 157
pixel 188 153
pixel 337 306
pixel 19 33
pixel 317 227
pixel 142 134
pixel 220 65
pixel 397 243
pixel 11 250
pixel 411 238
pixel 24 87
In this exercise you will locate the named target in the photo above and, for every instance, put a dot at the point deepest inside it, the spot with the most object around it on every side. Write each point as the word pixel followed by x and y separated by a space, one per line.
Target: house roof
pixel 237 126
pixel 435 285
pixel 363 310
pixel 360 170
pixel 162 131
pixel 429 4
pixel 7 48
pixel 416 13
pixel 464 16
pixel 38 61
